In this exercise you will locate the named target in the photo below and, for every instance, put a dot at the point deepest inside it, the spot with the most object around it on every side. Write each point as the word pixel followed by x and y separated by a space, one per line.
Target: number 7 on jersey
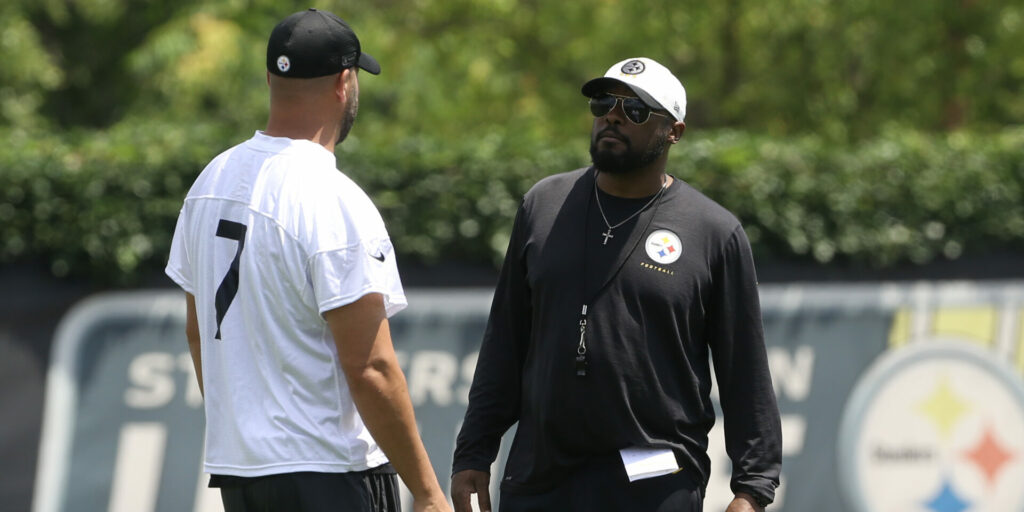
pixel 229 285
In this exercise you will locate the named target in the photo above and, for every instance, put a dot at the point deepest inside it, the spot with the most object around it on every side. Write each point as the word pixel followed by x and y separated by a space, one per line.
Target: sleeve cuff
pixel 762 496
pixel 178 279
pixel 464 465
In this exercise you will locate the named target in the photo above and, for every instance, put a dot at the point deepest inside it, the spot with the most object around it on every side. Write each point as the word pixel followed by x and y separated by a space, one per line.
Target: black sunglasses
pixel 635 109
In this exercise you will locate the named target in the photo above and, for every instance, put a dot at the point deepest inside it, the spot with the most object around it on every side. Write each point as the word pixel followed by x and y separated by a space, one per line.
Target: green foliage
pixel 864 132
pixel 99 207
pixel 460 67
pixel 104 207
pixel 27 72
pixel 905 196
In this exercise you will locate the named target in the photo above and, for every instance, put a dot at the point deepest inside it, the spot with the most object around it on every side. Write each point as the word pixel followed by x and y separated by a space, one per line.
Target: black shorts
pixel 373 490
pixel 602 486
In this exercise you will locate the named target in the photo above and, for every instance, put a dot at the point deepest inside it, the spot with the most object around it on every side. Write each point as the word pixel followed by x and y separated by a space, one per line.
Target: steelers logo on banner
pixel 935 427
pixel 663 246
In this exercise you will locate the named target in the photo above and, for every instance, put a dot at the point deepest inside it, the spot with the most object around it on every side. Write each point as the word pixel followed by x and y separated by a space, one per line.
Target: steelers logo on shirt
pixel 663 246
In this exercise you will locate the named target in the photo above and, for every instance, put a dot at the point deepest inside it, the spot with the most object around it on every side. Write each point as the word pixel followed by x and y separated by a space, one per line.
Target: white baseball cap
pixel 652 82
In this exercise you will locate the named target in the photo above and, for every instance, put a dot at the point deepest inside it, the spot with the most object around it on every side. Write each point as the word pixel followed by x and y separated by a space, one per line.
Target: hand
pixel 470 481
pixel 434 504
pixel 744 502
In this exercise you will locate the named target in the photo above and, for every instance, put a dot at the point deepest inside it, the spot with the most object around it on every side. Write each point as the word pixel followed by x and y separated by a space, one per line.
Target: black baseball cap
pixel 314 43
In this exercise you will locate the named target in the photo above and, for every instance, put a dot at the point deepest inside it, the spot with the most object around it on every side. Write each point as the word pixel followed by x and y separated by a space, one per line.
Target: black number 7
pixel 229 285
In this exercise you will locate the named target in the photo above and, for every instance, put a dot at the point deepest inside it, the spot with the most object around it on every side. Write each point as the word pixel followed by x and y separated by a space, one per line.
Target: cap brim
pixel 369 64
pixel 604 83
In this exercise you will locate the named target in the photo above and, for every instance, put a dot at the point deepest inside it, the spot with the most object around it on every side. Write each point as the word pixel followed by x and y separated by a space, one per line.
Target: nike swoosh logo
pixel 379 257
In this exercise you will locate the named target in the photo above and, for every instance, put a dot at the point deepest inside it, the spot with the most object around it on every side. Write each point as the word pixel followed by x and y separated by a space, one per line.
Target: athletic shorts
pixel 373 490
pixel 602 486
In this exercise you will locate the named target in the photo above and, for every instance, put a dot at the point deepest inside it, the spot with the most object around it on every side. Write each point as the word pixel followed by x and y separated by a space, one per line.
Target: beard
pixel 349 119
pixel 629 159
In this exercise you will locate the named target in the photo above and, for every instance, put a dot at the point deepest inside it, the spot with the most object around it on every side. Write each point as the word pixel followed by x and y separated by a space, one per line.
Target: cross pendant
pixel 607 235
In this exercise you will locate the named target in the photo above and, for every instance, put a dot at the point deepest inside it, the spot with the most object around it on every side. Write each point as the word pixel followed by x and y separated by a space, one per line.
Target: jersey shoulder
pixel 694 205
pixel 552 190
pixel 211 178
pixel 334 211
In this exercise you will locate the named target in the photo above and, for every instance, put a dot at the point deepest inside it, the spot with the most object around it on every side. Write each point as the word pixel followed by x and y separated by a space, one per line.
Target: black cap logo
pixel 317 43
pixel 633 67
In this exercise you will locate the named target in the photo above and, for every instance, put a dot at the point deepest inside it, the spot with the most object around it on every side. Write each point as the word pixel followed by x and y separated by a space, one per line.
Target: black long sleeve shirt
pixel 650 330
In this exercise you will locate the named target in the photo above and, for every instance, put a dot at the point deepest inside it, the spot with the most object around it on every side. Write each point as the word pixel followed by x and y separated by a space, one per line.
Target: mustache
pixel 610 132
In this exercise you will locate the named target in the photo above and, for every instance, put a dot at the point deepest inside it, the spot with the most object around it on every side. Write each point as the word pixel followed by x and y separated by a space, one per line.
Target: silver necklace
pixel 608 234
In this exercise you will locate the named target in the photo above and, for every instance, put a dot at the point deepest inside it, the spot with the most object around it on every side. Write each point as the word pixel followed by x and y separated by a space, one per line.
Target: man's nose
pixel 616 115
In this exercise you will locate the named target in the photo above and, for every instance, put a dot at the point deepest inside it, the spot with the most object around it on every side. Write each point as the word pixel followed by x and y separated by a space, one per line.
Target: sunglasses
pixel 635 109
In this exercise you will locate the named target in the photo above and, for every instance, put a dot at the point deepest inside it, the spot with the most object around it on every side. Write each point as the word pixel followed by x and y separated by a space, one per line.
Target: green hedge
pixel 102 205
pixel 902 197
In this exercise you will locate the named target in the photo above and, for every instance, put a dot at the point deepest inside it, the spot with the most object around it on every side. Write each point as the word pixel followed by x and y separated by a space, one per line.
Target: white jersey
pixel 272 235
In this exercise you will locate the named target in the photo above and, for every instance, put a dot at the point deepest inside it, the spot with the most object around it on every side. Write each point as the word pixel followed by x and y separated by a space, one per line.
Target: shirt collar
pixel 287 145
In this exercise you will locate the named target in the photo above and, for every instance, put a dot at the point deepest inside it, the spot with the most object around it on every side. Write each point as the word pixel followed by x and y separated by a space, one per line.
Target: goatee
pixel 629 159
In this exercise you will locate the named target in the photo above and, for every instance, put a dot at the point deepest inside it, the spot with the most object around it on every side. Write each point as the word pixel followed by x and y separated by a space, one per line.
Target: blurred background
pixel 873 151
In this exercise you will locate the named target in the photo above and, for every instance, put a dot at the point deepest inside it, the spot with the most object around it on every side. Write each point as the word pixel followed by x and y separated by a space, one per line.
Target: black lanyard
pixel 581 348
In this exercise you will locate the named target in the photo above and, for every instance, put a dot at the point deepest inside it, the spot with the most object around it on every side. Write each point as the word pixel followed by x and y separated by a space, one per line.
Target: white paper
pixel 643 463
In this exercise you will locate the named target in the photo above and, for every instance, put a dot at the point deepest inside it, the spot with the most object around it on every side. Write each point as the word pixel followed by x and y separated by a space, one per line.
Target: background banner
pixel 901 397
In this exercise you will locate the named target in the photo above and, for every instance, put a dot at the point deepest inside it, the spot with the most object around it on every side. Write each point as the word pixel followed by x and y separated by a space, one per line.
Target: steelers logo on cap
pixel 284 64
pixel 633 67
pixel 663 246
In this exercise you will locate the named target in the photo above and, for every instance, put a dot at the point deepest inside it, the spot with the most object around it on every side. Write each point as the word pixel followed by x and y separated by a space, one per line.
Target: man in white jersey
pixel 290 277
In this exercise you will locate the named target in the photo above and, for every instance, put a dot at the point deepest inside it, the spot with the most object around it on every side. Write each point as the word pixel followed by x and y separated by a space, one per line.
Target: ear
pixel 676 133
pixel 340 84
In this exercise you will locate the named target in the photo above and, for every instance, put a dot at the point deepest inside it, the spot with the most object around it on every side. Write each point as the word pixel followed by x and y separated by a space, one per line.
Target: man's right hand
pixel 438 504
pixel 470 481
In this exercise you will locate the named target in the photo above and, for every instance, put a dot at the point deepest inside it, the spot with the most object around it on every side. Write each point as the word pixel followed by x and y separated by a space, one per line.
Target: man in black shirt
pixel 619 282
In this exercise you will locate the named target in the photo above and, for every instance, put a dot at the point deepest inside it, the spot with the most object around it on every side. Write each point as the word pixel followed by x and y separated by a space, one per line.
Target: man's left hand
pixel 744 502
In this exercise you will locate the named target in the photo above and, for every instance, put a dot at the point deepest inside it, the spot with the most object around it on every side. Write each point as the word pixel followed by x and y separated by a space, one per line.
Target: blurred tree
pixel 29 71
pixel 89 40
pixel 459 67
pixel 865 131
